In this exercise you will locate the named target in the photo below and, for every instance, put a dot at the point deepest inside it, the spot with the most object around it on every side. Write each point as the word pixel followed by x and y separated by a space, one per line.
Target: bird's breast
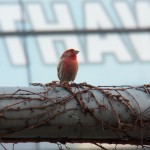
pixel 69 69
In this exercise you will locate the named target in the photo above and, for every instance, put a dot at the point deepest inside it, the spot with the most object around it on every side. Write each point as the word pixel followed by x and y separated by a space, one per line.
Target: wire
pixel 78 31
pixel 28 66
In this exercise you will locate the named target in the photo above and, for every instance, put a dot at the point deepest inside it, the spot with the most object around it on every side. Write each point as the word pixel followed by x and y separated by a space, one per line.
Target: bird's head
pixel 70 53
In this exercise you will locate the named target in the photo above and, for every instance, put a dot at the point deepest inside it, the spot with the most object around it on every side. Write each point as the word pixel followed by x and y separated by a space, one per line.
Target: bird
pixel 68 66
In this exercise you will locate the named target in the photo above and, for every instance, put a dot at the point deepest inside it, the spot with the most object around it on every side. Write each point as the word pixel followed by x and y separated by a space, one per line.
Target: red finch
pixel 68 66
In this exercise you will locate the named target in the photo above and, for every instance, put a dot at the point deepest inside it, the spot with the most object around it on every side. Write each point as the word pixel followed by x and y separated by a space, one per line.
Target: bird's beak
pixel 76 52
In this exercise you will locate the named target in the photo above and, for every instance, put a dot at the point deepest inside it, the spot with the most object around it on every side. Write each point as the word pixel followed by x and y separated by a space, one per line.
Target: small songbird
pixel 68 66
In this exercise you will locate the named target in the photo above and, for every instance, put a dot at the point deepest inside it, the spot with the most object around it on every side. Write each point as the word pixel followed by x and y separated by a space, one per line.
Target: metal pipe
pixel 75 113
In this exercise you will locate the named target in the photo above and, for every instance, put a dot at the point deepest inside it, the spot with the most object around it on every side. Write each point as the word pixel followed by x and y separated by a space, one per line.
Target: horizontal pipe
pixel 75 113
pixel 77 31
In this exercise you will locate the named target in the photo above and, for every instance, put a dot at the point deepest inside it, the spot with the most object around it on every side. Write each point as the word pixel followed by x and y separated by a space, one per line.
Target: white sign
pixel 124 49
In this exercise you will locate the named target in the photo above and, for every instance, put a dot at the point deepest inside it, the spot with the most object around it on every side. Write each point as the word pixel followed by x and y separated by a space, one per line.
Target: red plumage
pixel 68 66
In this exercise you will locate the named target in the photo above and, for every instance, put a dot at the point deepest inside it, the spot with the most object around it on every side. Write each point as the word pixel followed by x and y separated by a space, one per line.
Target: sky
pixel 104 58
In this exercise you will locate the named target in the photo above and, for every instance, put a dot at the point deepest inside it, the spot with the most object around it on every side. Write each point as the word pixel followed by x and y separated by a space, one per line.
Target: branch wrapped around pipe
pixel 75 113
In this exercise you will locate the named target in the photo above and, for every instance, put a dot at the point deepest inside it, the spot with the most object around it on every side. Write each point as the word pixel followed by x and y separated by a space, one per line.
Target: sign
pixel 120 52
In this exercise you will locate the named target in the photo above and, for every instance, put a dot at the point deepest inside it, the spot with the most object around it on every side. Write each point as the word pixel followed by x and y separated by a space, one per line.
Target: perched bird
pixel 68 66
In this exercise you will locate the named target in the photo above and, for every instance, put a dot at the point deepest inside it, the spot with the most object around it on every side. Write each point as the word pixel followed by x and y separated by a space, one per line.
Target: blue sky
pixel 109 71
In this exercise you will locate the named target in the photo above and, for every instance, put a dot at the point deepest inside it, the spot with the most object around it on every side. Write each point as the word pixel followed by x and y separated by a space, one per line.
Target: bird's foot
pixel 73 84
pixel 147 85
